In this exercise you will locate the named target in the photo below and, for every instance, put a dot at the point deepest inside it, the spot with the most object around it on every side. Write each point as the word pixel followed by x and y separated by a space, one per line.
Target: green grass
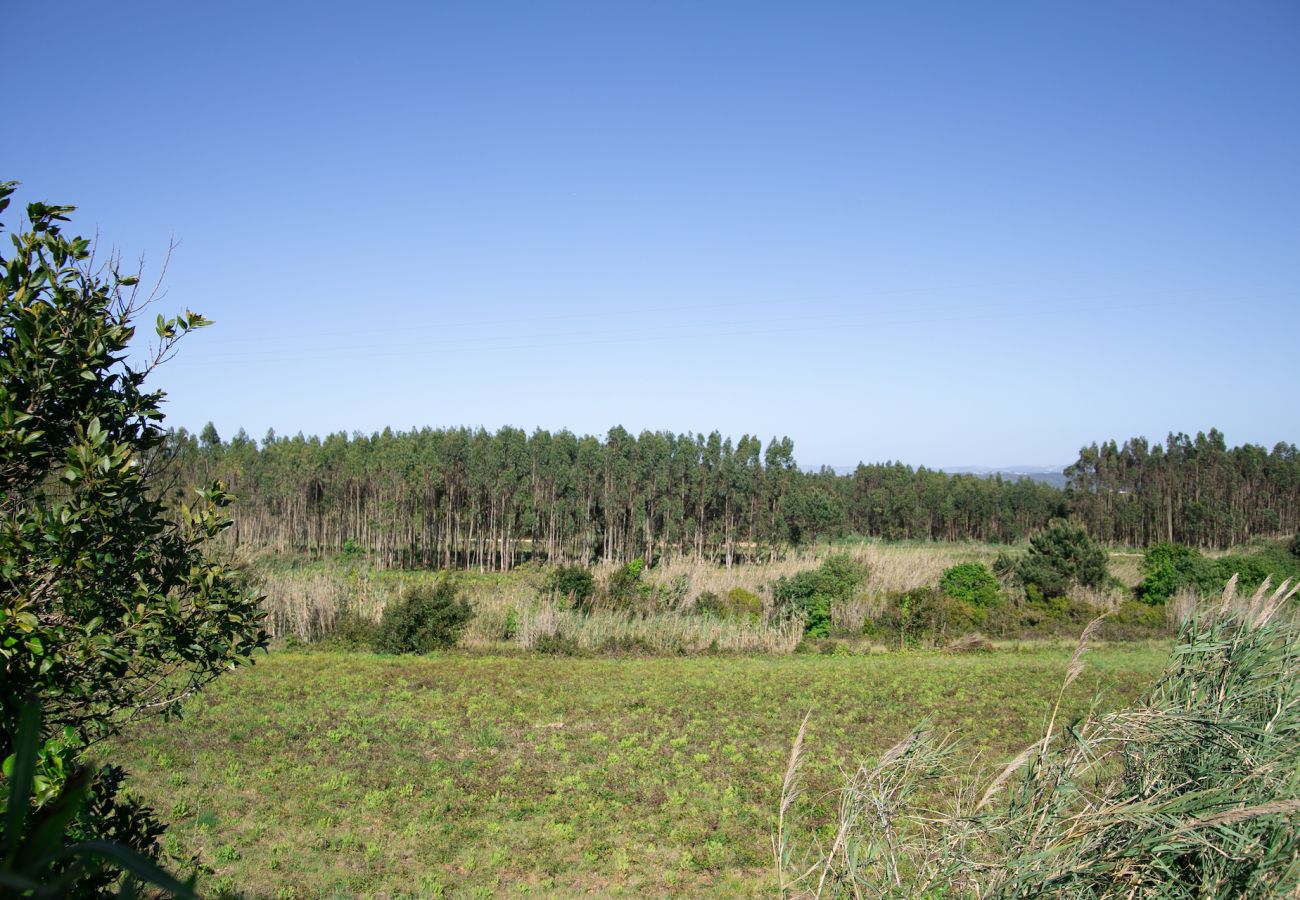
pixel 318 773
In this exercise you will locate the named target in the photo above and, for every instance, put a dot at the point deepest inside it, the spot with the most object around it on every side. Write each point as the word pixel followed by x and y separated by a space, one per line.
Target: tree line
pixel 462 497
pixel 1192 491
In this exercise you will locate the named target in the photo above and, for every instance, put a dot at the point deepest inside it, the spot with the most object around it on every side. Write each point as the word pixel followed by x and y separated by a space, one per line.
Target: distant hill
pixel 1053 475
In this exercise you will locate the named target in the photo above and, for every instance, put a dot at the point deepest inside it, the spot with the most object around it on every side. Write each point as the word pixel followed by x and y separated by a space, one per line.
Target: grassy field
pixel 320 774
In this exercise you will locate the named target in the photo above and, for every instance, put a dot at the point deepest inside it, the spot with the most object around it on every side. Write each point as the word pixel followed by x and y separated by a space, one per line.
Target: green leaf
pixel 20 777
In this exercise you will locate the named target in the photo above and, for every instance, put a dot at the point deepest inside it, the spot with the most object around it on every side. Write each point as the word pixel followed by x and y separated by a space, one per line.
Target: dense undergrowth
pixel 855 597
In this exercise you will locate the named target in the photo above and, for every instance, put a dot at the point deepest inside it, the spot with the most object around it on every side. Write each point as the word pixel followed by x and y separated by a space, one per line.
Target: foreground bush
pixel 113 605
pixel 429 617
pixel 808 596
pixel 1193 792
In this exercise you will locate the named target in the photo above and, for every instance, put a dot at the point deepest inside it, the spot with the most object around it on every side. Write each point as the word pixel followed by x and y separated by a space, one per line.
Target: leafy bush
pixel 737 605
pixel 809 595
pixel 557 645
pixel 627 591
pixel 429 617
pixel 113 605
pixel 744 604
pixel 1004 565
pixel 75 837
pixel 573 582
pixel 1168 567
pixel 1059 556
pixel 972 583
pixel 1135 620
pixel 1294 547
pixel 924 615
pixel 1266 561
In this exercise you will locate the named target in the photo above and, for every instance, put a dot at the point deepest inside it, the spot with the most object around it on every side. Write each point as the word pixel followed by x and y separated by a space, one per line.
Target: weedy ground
pixel 326 773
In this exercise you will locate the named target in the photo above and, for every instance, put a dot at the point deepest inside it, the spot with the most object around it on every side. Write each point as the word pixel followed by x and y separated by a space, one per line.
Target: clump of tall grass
pixel 667 632
pixel 313 605
pixel 1194 791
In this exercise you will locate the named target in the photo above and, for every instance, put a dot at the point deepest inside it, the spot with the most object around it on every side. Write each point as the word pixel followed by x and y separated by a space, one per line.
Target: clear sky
pixel 946 233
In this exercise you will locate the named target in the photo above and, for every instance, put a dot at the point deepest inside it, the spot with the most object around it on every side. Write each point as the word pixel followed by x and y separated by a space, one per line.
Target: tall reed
pixel 1192 792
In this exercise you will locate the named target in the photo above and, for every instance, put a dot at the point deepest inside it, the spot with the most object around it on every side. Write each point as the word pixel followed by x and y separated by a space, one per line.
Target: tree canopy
pixel 110 605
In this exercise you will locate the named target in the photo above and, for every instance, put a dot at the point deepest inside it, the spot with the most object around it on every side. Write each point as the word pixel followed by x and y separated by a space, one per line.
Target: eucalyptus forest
pixel 461 497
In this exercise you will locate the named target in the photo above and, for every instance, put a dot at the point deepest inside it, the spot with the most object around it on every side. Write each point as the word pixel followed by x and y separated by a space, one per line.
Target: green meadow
pixel 319 773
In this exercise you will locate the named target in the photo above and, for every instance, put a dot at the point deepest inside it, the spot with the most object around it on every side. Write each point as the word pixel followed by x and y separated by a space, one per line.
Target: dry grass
pixel 892 568
pixel 308 601
pixel 667 633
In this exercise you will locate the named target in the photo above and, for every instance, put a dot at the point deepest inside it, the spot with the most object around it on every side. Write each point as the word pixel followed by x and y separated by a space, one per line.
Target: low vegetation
pixel 1192 791
pixel 466 774
pixel 860 593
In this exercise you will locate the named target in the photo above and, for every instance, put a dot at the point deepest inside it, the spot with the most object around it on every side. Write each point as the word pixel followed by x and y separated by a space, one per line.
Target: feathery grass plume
pixel 791 788
pixel 1072 672
pixel 1004 776
pixel 1229 594
pixel 1285 591
pixel 1192 792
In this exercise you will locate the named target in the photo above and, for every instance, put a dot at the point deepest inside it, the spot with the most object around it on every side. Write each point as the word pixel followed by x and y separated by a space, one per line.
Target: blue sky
pixel 947 233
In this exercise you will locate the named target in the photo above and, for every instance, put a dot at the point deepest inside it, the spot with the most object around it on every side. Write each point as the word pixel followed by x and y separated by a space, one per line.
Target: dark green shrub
pixel 1059 556
pixel 924 615
pixel 972 583
pixel 1135 621
pixel 1294 547
pixel 1170 567
pixel 557 645
pixel 738 605
pixel 744 605
pixel 626 591
pixel 1167 568
pixel 429 617
pixel 627 646
pixel 809 595
pixel 710 604
pixel 1004 565
pixel 352 632
pixel 1049 617
pixel 1269 561
pixel 575 583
